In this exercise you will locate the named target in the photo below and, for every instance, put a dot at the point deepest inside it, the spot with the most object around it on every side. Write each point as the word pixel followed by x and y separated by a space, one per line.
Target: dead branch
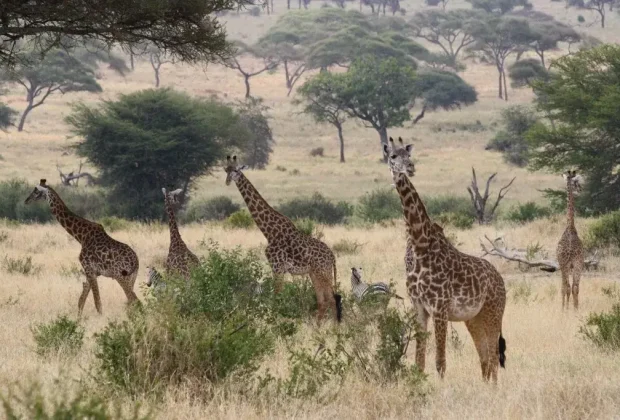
pixel 479 201
pixel 66 179
pixel 520 256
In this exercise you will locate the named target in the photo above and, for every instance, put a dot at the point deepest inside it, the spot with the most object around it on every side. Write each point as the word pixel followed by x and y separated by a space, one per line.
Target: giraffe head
pixel 399 157
pixel 356 276
pixel 172 195
pixel 233 170
pixel 39 193
pixel 573 180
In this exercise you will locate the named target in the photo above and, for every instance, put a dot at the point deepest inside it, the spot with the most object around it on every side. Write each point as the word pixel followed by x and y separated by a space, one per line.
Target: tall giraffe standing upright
pixel 446 283
pixel 288 249
pixel 570 249
pixel 100 255
pixel 180 259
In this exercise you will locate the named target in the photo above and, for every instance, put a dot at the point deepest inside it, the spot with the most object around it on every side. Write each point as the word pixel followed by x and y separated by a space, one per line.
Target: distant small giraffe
pixel 180 259
pixel 570 249
pixel 288 249
pixel 446 283
pixel 100 255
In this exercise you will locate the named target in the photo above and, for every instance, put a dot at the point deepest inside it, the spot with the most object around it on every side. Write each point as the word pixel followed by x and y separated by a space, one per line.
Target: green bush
pixel 380 205
pixel 61 335
pixel 20 265
pixel 523 213
pixel 511 140
pixel 113 223
pixel 31 401
pixel 458 220
pixel 451 210
pixel 308 227
pixel 603 329
pixel 241 219
pixel 317 208
pixel 217 208
pixel 605 232
pixel 346 247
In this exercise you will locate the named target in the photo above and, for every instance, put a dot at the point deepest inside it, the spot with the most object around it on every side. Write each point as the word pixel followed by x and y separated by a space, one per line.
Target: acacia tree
pixel 496 38
pixel 190 33
pixel 248 71
pixel 583 99
pixel 258 144
pixel 158 58
pixel 597 6
pixel 546 35
pixel 56 72
pixel 500 7
pixel 321 101
pixel 451 31
pixel 442 90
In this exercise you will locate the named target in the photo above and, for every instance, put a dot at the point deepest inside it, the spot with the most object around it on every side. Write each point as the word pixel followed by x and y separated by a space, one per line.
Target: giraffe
pixel 100 255
pixel 570 249
pixel 445 283
pixel 180 259
pixel 288 249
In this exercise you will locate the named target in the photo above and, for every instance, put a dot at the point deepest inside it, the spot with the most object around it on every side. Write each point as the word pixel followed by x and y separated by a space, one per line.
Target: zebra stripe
pixel 155 279
pixel 360 289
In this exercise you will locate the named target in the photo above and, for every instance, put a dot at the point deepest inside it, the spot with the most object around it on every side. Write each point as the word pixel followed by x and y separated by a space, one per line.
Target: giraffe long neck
pixel 175 236
pixel 264 215
pixel 418 223
pixel 570 213
pixel 76 226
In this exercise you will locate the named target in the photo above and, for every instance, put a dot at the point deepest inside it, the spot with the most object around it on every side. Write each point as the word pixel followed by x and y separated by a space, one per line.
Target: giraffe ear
pixel 42 182
pixel 386 150
pixel 177 191
pixel 409 148
pixel 400 140
pixel 391 140
pixel 564 176
pixel 234 159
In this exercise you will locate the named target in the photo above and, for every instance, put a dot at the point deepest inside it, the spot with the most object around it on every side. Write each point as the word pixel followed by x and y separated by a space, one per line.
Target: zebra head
pixel 153 277
pixel 356 276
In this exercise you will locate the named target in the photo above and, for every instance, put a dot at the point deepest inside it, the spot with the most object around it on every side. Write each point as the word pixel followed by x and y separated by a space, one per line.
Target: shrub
pixel 448 204
pixel 254 11
pixel 581 19
pixel 20 265
pixel 217 208
pixel 346 247
pixel 380 205
pixel 511 141
pixel 458 220
pixel 523 213
pixel 61 335
pixel 241 219
pixel 31 401
pixel 317 208
pixel 7 116
pixel 605 232
pixel 253 115
pixel 317 151
pixel 603 329
pixel 308 227
pixel 113 223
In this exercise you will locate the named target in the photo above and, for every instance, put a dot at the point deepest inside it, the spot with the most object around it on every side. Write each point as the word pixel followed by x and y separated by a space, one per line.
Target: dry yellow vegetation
pixel 551 371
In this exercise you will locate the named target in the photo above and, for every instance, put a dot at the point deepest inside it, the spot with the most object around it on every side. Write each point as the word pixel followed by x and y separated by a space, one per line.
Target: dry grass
pixel 551 371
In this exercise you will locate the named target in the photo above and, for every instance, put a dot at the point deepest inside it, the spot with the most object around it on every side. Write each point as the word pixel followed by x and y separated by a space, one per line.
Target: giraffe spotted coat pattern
pixel 288 249
pixel 570 249
pixel 101 255
pixel 180 259
pixel 445 283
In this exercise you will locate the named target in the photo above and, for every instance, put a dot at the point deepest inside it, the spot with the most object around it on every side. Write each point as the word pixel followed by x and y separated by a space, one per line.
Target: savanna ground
pixel 552 372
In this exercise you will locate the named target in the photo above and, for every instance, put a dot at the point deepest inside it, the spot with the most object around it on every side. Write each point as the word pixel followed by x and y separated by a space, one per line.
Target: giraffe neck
pixel 418 223
pixel 75 225
pixel 175 236
pixel 571 205
pixel 264 215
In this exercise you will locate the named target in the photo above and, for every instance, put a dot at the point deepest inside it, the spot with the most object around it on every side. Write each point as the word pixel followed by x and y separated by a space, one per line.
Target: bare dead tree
pixel 157 59
pixel 528 261
pixel 479 201
pixel 72 179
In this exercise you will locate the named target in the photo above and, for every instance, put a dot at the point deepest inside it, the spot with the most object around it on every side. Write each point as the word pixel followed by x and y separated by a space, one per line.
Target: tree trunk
pixel 22 120
pixel 299 4
pixel 288 4
pixel 131 60
pixel 286 74
pixel 542 60
pixel 383 136
pixel 505 86
pixel 602 13
pixel 501 95
pixel 246 78
pixel 341 139
pixel 156 69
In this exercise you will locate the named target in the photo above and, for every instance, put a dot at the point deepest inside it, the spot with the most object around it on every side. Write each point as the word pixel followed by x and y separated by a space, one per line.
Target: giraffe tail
pixel 338 299
pixel 502 351
pixel 335 276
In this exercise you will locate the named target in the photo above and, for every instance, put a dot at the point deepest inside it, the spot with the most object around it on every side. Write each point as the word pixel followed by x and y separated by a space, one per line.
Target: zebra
pixel 155 279
pixel 361 290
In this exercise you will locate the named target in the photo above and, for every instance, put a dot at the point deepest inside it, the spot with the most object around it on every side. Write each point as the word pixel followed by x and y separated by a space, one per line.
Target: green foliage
pixel 216 208
pixel 317 208
pixel 458 220
pixel 346 247
pixel 448 204
pixel 605 232
pixel 62 335
pixel 444 90
pixel 241 219
pixel 500 6
pixel 583 98
pixel 20 265
pixel 308 227
pixel 530 211
pixel 32 401
pixel 379 205
pixel 603 329
pixel 7 116
pixel 258 144
pixel 184 137
pixel 523 72
pixel 113 223
pixel 511 140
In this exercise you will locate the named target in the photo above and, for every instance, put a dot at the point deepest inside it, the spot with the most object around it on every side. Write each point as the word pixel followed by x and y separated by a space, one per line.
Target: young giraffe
pixel 180 259
pixel 289 250
pixel 570 250
pixel 446 283
pixel 100 255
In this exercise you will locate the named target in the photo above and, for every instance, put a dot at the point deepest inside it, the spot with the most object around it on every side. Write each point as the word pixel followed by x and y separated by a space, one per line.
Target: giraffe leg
pixel 565 287
pixel 576 278
pixel 127 286
pixel 320 296
pixel 478 334
pixel 277 261
pixel 83 296
pixel 440 320
pixel 328 295
pixel 92 281
pixel 420 346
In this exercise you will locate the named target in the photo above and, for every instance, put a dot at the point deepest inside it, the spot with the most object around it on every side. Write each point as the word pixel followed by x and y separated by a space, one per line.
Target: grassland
pixel 551 371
